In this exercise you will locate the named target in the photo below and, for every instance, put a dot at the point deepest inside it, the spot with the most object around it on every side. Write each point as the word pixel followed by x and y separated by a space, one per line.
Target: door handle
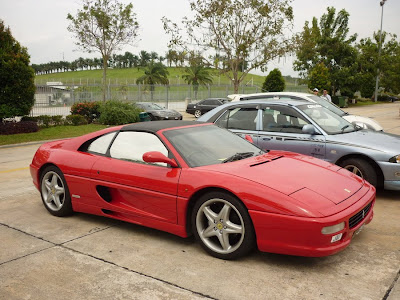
pixel 267 139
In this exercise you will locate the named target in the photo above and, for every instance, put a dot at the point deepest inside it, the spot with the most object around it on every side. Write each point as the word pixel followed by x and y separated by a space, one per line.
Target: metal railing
pixel 56 98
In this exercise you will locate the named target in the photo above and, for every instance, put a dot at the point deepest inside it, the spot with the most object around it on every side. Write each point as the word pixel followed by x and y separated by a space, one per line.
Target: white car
pixel 363 122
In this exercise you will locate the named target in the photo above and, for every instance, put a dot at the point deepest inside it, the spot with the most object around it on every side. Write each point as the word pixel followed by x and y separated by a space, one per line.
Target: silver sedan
pixel 312 129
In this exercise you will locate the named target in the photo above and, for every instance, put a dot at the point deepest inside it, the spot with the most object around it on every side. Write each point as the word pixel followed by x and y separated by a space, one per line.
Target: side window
pixel 282 119
pixel 206 102
pixel 101 144
pixel 243 118
pixel 131 146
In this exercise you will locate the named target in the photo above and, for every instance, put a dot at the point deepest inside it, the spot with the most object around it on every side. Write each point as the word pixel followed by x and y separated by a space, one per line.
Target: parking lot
pixel 90 257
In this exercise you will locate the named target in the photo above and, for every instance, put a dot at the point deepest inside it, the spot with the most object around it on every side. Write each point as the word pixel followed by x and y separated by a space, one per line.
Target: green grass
pixel 129 76
pixel 51 133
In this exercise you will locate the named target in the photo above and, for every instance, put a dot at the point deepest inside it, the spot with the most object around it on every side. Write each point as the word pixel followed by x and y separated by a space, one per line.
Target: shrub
pixel 57 120
pixel 75 120
pixel 18 127
pixel 90 110
pixel 29 118
pixel 45 120
pixel 118 113
pixel 274 82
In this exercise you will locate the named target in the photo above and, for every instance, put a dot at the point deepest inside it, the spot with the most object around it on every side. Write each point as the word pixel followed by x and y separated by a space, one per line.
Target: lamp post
pixel 382 3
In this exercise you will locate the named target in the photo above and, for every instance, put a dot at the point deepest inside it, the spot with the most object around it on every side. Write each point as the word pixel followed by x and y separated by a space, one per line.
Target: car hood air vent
pixel 265 161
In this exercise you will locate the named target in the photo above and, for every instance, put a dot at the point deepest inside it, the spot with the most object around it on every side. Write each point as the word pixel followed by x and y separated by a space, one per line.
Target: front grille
pixel 358 217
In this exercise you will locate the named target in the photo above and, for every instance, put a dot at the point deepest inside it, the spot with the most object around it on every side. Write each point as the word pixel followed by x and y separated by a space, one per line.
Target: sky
pixel 41 25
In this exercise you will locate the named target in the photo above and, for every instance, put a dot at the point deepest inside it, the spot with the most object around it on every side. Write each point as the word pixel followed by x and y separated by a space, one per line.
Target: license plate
pixel 359 229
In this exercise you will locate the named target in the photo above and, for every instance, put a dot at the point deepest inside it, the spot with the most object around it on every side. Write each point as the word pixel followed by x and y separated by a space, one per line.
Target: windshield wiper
pixel 238 156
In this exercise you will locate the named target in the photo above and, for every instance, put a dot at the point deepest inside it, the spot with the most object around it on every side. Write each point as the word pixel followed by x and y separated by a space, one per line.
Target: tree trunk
pixel 104 79
pixel 236 85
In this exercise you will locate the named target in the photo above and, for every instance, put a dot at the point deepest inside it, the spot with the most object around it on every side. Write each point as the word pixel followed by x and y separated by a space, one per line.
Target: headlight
pixel 333 228
pixel 395 159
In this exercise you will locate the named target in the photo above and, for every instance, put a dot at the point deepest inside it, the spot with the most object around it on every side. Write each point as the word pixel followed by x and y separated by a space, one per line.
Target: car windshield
pixel 209 145
pixel 330 122
pixel 332 107
pixel 150 106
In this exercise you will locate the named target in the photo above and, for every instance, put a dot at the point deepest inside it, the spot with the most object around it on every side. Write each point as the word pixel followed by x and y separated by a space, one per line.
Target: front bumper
pixel 391 185
pixel 302 236
pixel 391 175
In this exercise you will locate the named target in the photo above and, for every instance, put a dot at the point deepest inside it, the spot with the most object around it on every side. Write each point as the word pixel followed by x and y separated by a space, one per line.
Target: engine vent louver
pixel 265 161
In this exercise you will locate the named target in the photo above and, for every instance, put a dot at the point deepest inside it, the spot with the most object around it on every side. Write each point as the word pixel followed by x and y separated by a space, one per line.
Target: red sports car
pixel 189 178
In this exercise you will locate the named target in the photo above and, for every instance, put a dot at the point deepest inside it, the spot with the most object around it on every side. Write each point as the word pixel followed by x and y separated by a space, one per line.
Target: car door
pixel 242 120
pixel 133 188
pixel 281 129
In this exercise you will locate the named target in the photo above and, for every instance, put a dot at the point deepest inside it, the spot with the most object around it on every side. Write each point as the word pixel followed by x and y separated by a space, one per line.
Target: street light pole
pixel 382 3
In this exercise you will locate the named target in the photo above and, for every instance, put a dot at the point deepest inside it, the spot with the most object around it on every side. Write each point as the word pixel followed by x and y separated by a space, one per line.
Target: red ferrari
pixel 189 178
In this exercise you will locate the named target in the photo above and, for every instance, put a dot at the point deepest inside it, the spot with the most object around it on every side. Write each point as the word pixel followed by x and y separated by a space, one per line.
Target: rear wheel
pixel 222 225
pixel 54 192
pixel 361 168
pixel 197 113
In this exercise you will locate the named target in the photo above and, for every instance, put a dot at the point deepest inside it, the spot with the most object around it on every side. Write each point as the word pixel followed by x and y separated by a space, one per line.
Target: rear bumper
pixel 35 175
pixel 302 236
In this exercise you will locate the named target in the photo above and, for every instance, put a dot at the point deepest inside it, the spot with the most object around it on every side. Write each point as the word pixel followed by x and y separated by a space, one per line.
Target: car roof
pixel 154 126
pixel 215 99
pixel 238 97
pixel 287 102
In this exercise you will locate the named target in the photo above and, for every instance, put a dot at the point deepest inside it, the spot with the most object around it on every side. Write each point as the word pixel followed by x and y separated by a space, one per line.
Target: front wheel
pixel 54 192
pixel 197 113
pixel 361 168
pixel 222 225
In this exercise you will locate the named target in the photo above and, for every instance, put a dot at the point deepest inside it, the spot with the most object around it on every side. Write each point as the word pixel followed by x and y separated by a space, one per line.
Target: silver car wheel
pixel 197 113
pixel 354 169
pixel 220 226
pixel 53 191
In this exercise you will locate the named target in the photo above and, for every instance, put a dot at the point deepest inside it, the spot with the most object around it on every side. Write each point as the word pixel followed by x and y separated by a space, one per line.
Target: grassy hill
pixel 129 76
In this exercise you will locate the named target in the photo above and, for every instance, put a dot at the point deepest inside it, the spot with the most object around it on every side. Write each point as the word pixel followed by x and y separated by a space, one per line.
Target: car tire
pixel 55 193
pixel 197 113
pixel 361 168
pixel 222 225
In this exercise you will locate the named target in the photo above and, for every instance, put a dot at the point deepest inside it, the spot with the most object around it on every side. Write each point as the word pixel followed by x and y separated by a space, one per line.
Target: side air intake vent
pixel 104 193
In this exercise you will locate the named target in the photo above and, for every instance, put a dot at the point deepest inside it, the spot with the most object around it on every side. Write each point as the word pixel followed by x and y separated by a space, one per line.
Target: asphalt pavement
pixel 90 257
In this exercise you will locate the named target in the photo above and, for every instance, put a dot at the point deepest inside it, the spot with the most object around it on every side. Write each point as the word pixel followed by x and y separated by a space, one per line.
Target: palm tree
pixel 171 56
pixel 154 73
pixel 144 58
pixel 197 75
pixel 153 56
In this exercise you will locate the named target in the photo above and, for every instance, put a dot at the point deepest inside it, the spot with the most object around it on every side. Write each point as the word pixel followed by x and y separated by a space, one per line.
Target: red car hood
pixel 295 175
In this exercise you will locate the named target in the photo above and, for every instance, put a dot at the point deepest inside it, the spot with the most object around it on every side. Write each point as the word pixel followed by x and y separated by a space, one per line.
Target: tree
pixel 319 78
pixel 17 87
pixel 104 26
pixel 197 75
pixel 153 56
pixel 241 30
pixel 171 56
pixel 274 82
pixel 144 57
pixel 327 43
pixel 154 73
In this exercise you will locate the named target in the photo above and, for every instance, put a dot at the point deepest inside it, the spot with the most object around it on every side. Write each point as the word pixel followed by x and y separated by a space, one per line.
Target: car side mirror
pixel 309 129
pixel 158 157
pixel 360 125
